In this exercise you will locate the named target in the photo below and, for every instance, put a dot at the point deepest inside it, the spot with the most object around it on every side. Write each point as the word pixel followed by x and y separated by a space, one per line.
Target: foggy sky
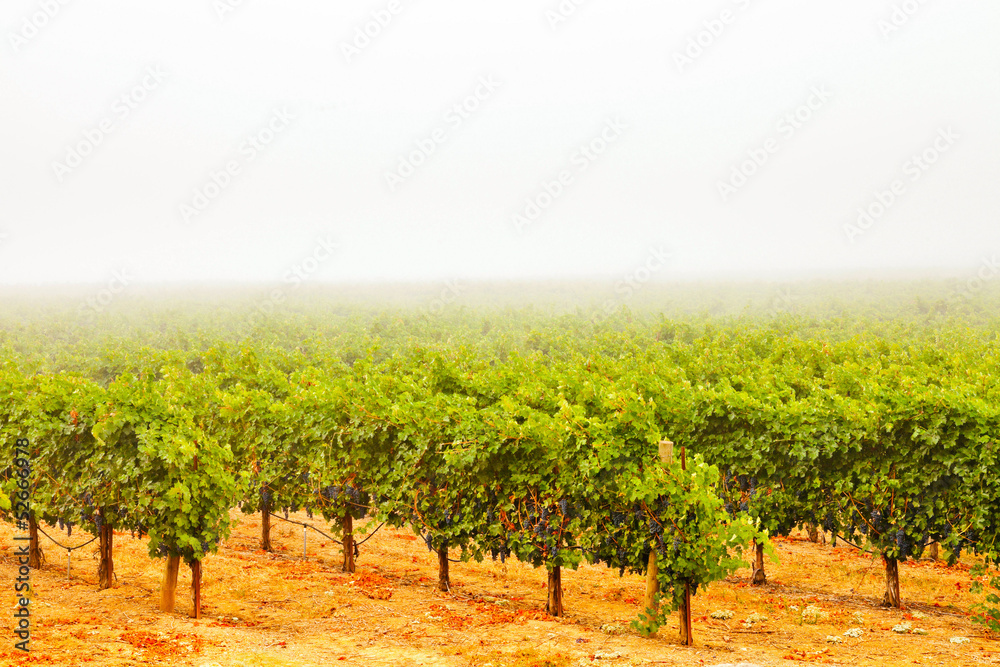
pixel 610 117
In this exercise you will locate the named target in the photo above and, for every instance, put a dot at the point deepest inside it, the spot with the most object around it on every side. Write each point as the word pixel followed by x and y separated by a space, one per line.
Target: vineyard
pixel 680 450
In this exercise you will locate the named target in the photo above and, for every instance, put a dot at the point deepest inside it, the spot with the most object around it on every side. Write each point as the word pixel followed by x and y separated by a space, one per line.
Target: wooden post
pixel 932 551
pixel 35 555
pixel 348 530
pixel 168 590
pixel 444 580
pixel 891 598
pixel 687 636
pixel 106 569
pixel 196 589
pixel 554 604
pixel 652 569
pixel 652 584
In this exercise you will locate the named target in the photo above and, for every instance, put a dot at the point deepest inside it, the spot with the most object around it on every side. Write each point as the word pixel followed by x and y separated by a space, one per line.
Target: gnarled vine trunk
pixel 815 535
pixel 35 555
pixel 554 605
pixel 444 580
pixel 265 528
pixel 687 635
pixel 348 530
pixel 891 598
pixel 758 577
pixel 106 569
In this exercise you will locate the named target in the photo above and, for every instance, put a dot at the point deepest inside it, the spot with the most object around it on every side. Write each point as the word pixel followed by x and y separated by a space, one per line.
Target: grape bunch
pixel 904 545
pixel 501 552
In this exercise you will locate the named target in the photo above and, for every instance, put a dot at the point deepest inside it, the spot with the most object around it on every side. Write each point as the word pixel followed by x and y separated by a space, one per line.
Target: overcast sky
pixel 434 140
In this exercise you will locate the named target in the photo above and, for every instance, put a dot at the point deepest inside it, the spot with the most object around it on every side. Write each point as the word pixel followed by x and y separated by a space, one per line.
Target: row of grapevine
pixel 553 457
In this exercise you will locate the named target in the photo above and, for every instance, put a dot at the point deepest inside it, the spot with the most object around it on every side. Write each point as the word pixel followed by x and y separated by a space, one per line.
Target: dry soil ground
pixel 278 609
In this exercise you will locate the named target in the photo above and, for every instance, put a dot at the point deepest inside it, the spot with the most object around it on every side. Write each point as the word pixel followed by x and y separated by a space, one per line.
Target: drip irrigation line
pixel 63 545
pixel 841 537
pixel 370 536
pixel 306 525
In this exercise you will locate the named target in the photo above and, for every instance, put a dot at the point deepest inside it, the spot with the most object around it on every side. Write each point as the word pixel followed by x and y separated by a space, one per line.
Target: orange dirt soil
pixel 277 609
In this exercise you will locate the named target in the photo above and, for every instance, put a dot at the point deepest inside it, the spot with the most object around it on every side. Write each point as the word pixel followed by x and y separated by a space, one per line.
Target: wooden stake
pixel 196 589
pixel 666 452
pixel 652 584
pixel 168 590
pixel 652 568
pixel 687 636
